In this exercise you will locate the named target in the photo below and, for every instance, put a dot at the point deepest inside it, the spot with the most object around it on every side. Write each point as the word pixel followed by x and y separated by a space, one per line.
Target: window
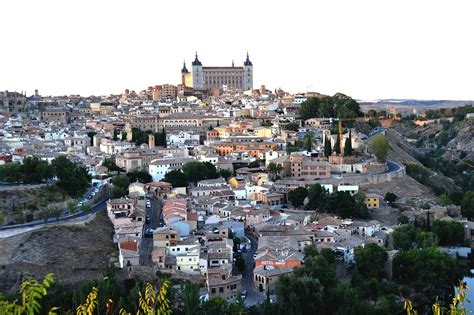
pixel 213 290
pixel 221 289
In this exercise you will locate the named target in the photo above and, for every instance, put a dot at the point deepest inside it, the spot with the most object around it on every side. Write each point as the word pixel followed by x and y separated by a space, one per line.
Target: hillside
pixel 74 254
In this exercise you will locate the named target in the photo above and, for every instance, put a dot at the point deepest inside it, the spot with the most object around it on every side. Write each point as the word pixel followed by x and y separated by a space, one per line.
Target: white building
pixel 159 168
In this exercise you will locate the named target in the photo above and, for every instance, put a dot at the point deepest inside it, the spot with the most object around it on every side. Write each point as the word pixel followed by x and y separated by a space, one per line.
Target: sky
pixel 365 49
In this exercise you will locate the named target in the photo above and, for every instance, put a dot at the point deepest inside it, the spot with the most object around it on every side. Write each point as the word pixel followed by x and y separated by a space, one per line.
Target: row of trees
pixel 192 172
pixel 140 137
pixel 340 203
pixel 32 170
pixel 444 233
pixel 72 178
pixel 339 105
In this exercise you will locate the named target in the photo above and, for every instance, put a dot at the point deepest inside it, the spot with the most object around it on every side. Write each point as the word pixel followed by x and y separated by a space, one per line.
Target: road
pixel 253 295
pixel 95 208
pixel 146 245
pixel 373 134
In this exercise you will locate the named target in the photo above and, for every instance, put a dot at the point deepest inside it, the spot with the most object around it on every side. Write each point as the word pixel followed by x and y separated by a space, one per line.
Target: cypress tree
pixel 327 147
pixel 348 145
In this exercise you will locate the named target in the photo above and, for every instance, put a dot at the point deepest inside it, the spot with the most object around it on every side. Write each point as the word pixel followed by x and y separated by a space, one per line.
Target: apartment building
pixel 303 167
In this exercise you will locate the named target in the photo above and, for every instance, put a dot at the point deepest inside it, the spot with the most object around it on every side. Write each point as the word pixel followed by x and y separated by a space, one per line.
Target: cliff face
pixel 464 140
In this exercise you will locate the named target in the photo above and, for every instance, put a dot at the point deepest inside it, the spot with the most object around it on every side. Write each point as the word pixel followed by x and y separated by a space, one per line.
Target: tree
pixel 467 206
pixel 370 261
pixel 56 213
pixel 426 270
pixel 380 147
pixel 191 298
pixel 293 126
pixel 372 113
pixel 160 138
pixel 404 236
pixel 309 108
pixel 86 207
pixel 449 233
pixel 327 147
pixel 196 171
pixel 444 200
pixel 176 178
pixel 297 196
pixel 111 166
pixel 139 176
pixel 316 196
pixel 226 174
pixel 426 239
pixel 348 145
pixel 73 178
pixel 274 169
pixel 115 135
pixel 121 184
pixel 337 145
pixel 390 197
pixel 308 141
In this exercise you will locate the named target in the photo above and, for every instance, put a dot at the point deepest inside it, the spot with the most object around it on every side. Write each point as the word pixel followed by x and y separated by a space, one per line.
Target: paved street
pixel 146 246
pixel 253 295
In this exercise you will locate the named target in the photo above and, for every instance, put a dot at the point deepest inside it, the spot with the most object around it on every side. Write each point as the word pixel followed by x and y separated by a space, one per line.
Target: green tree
pixel 370 261
pixel 191 299
pixel 348 145
pixel 449 233
pixel 316 196
pixel 274 169
pixel 176 178
pixel 404 236
pixel 426 270
pixel 196 171
pixel 380 146
pixel 73 178
pixel 121 184
pixel 426 239
pixel 111 166
pixel 467 206
pixel 337 145
pixel 308 141
pixel 309 108
pixel 297 196
pixel 293 126
pixel 299 295
pixel 139 176
pixel 327 147
pixel 444 200
pixel 390 197
pixel 226 174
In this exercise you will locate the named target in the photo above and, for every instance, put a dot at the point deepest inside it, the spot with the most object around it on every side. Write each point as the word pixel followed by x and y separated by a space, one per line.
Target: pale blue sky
pixel 367 49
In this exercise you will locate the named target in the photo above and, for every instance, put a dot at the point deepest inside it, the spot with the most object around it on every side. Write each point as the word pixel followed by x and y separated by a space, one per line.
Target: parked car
pixel 147 219
pixel 243 294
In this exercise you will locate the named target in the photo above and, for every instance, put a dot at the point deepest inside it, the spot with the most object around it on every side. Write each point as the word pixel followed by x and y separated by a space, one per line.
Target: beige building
pixel 54 114
pixel 302 167
pixel 266 277
pixel 216 77
pixel 220 282
pixel 163 91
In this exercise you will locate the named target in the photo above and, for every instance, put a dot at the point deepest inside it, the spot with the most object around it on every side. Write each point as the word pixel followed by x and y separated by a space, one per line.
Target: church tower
pixel 184 72
pixel 248 74
pixel 197 73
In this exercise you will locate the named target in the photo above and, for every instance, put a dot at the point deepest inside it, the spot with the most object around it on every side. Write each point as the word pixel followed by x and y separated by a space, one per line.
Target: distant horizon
pixel 255 88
